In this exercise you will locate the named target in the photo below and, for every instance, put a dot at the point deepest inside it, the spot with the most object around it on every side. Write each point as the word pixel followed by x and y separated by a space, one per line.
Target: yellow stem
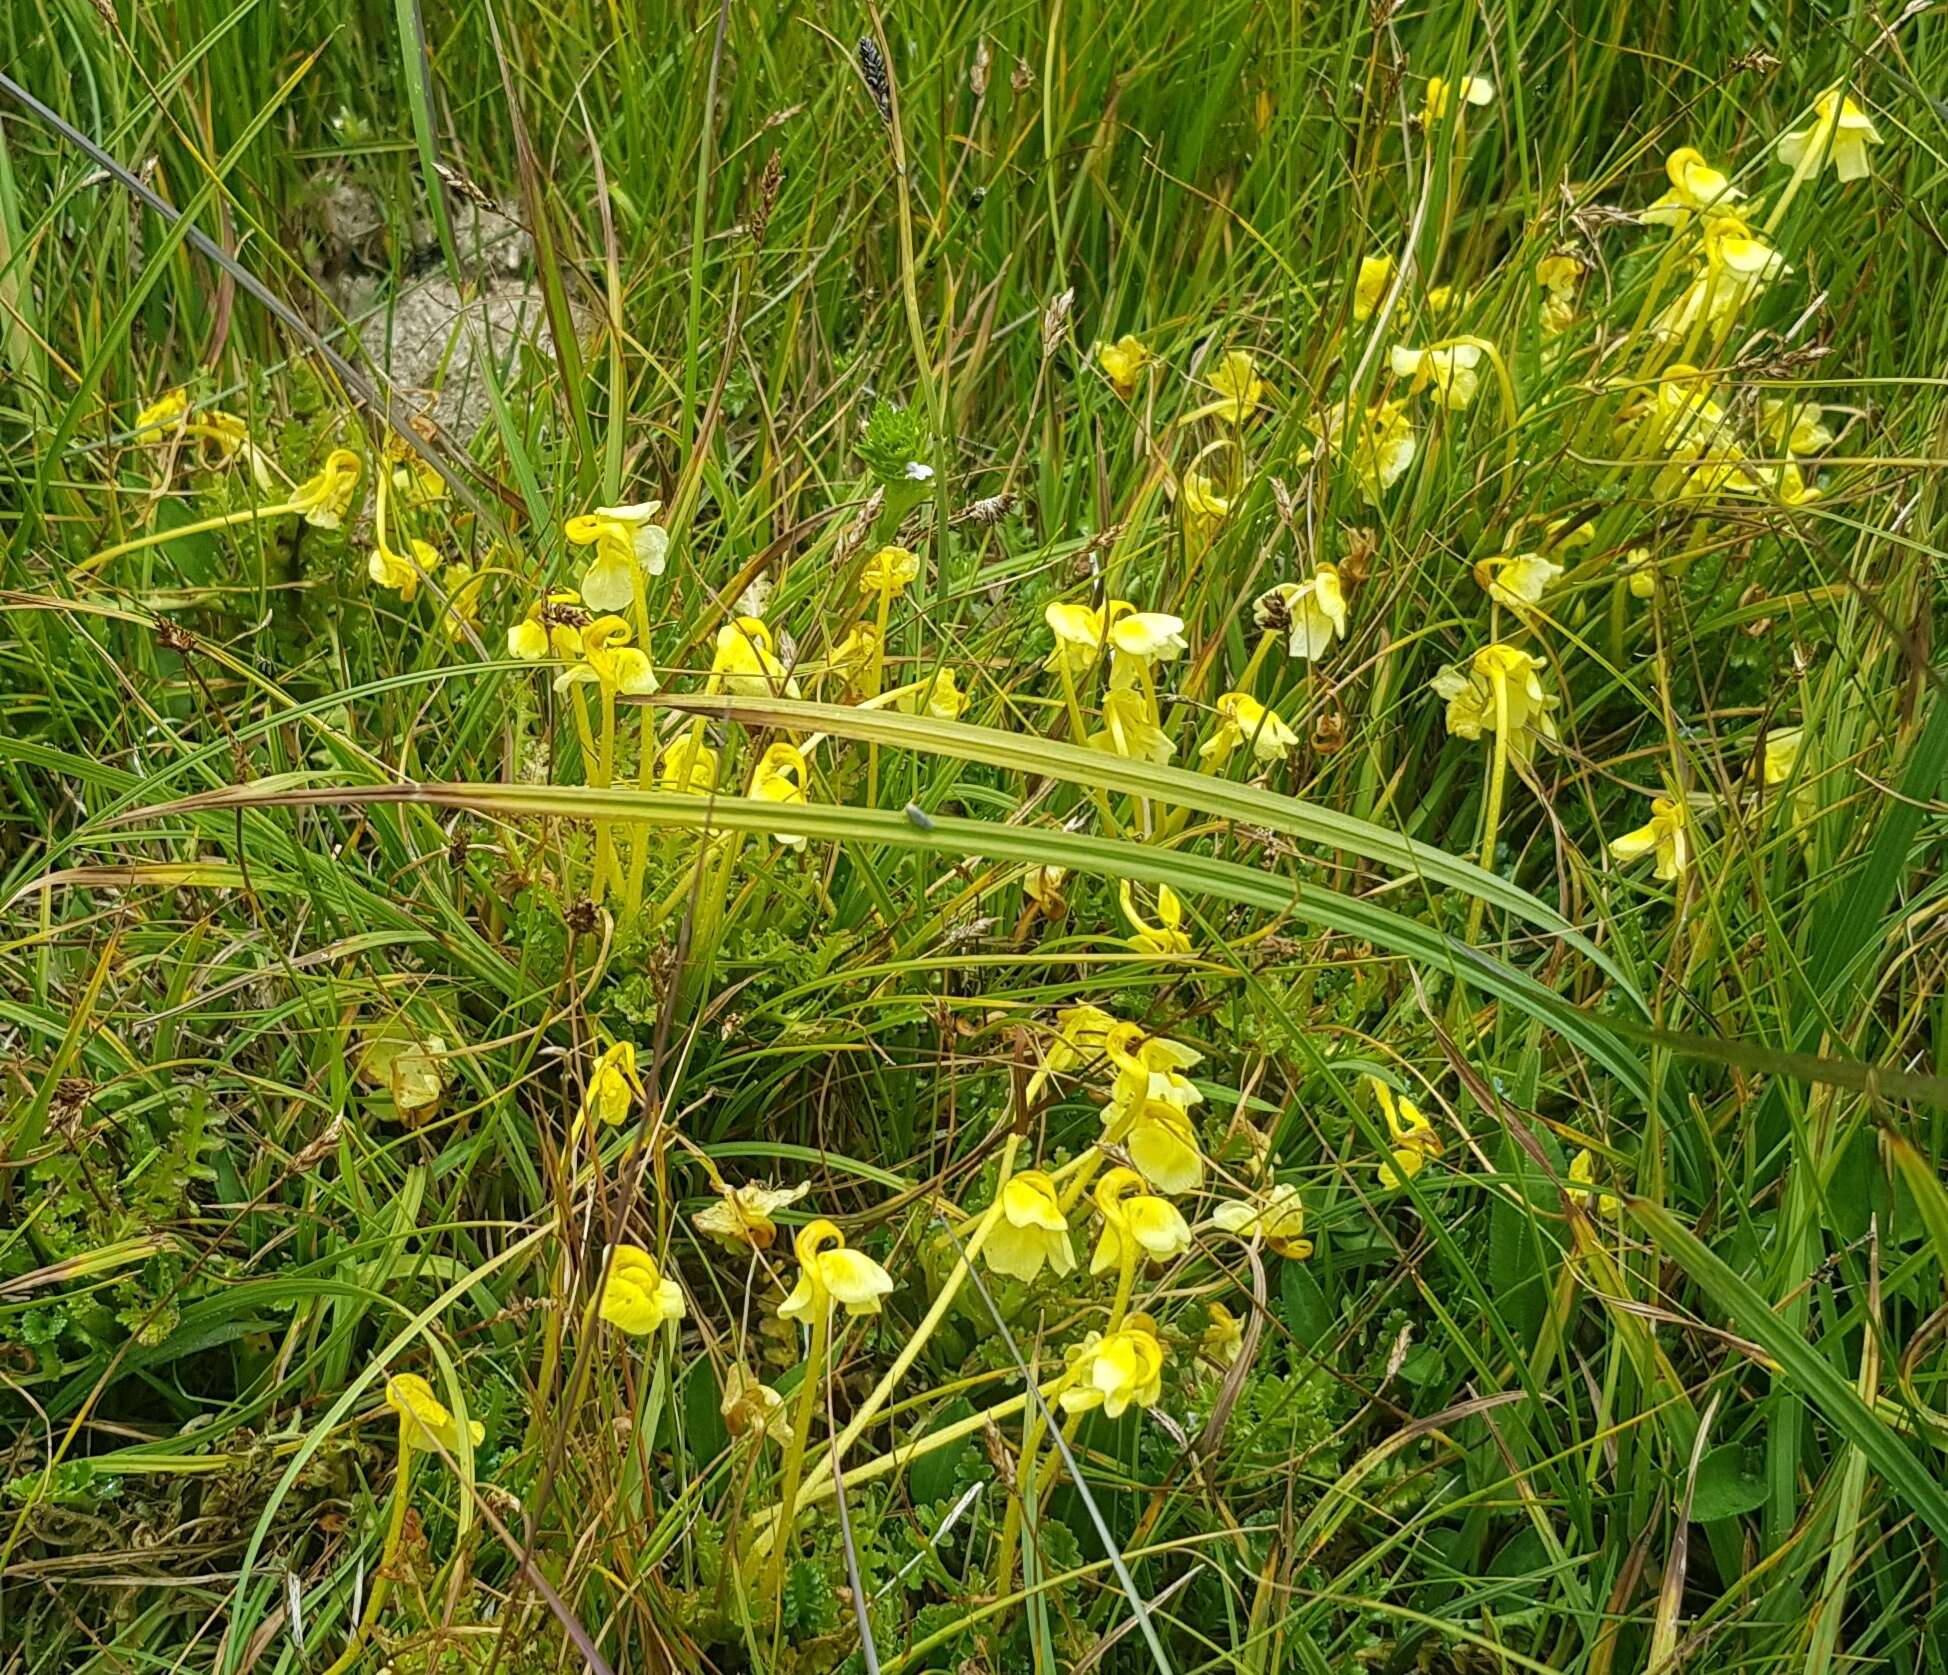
pixel 157 537
pixel 381 1582
pixel 1491 819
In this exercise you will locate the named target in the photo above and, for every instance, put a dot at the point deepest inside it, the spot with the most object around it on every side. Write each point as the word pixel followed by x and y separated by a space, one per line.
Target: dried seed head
pixel 872 71
pixel 1055 322
pixel 977 75
pixel 769 182
pixel 1023 78
pixel 986 512
pixel 859 531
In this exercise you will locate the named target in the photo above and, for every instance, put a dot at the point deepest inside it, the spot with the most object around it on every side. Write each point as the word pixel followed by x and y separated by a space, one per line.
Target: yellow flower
pixel 401 574
pixel 637 1296
pixel 1311 613
pixel 166 412
pixel 1517 580
pixel 613 1085
pixel 1081 1033
pixel 938 695
pixel 1735 269
pixel 1696 187
pixel 324 499
pixel 1135 1224
pixel 829 1273
pixel 1840 132
pixel 1470 693
pixel 609 660
pixel 1666 834
pixel 1559 274
pixel 551 625
pixel 780 777
pixel 1147 1066
pixel 1203 507
pixel 1440 97
pixel 1140 639
pixel 1223 1339
pixel 1130 729
pixel 1161 1140
pixel 1240 389
pixel 1684 417
pixel 1278 1214
pixel 745 664
pixel 688 767
pixel 1043 886
pixel 1241 719
pixel 1795 427
pixel 1582 1183
pixel 462 585
pixel 1123 362
pixel 1165 938
pixel 854 654
pixel 626 544
pixel 1078 631
pixel 424 1422
pixel 889 572
pixel 1782 754
pixel 1449 369
pixel 1371 286
pixel 406 1066
pixel 1115 1373
pixel 742 1216
pixel 1031 1229
pixel 1377 443
pixel 1414 1139
pixel 751 1406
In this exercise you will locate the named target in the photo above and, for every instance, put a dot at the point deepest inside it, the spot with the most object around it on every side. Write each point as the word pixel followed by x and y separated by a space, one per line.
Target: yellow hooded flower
pixel 1242 719
pixel 1414 1139
pixel 1278 1214
pixel 1078 631
pixel 1782 749
pixel 1123 362
pixel 1696 189
pixel 829 1273
pixel 1736 268
pixel 1138 640
pixel 1795 427
pixel 742 1216
pixel 1136 1224
pixel 1239 389
pixel 1115 1373
pixel 1559 273
pixel 1166 937
pixel 781 777
pixel 1161 1141
pixel 1517 580
pixel 389 569
pixel 462 584
pixel 1470 691
pixel 1203 507
pixel 1043 886
pixel 424 1422
pixel 406 1066
pixel 1666 835
pixel 889 572
pixel 626 545
pixel 1311 613
pixel 324 499
pixel 1371 286
pixel 1840 132
pixel 1582 1183
pixel 752 1407
pixel 1130 729
pixel 1449 369
pixel 1441 96
pixel 939 696
pixel 688 767
pixel 166 412
pixel 613 1085
pixel 745 663
pixel 637 1296
pixel 1376 443
pixel 609 660
pixel 1223 1339
pixel 1031 1229
pixel 551 626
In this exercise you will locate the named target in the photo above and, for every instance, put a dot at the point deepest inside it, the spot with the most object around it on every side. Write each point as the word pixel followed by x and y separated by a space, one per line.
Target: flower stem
pixel 1492 816
pixel 156 537
pixel 381 1582
pixel 795 1452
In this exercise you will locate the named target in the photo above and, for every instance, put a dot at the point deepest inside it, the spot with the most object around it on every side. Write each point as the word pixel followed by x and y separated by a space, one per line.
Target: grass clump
pixel 970 840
